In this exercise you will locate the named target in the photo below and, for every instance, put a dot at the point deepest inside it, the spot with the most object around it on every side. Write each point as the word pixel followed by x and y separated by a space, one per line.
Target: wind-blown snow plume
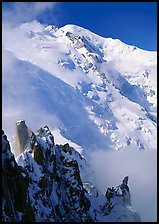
pixel 15 13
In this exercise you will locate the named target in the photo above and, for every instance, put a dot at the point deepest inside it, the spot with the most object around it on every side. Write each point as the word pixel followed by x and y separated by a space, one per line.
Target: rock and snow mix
pixel 48 180
pixel 97 94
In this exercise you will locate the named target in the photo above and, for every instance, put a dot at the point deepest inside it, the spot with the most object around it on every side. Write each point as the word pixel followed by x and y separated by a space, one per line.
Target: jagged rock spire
pixel 47 179
pixel 125 181
pixel 22 136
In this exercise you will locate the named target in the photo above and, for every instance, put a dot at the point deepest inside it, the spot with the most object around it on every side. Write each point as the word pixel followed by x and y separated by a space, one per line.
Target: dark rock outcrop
pixel 15 182
pixel 44 184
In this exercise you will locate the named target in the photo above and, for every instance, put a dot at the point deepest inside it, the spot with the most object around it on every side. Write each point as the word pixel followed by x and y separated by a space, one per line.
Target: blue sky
pixel 134 23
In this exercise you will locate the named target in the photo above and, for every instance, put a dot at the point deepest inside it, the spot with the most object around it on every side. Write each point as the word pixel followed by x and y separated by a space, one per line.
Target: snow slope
pixel 95 90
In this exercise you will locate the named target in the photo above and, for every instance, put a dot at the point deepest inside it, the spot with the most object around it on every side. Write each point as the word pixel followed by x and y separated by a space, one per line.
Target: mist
pixel 141 166
pixel 21 98
pixel 16 74
pixel 15 13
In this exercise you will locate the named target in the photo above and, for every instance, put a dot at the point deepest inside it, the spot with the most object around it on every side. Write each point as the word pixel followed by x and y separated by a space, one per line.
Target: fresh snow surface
pixel 60 140
pixel 99 92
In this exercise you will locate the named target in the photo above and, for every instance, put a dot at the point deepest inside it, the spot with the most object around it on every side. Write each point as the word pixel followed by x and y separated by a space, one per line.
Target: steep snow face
pixel 99 92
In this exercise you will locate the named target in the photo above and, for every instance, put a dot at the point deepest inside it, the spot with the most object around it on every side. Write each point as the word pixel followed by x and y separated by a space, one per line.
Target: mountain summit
pixel 95 90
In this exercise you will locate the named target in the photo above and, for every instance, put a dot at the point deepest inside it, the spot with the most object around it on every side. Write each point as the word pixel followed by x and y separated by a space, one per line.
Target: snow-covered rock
pixel 47 179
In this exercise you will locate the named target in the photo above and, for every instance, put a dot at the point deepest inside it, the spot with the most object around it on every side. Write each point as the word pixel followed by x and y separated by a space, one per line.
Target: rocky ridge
pixel 47 179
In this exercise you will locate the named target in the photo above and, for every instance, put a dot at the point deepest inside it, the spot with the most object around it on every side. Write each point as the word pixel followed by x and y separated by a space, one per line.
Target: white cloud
pixel 20 12
pixel 141 167
pixel 42 6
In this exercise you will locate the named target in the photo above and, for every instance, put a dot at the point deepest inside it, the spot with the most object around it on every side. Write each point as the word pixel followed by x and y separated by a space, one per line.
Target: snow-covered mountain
pixel 47 180
pixel 95 93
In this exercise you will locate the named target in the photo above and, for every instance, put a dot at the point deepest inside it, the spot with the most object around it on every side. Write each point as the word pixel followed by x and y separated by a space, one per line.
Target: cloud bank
pixel 141 167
